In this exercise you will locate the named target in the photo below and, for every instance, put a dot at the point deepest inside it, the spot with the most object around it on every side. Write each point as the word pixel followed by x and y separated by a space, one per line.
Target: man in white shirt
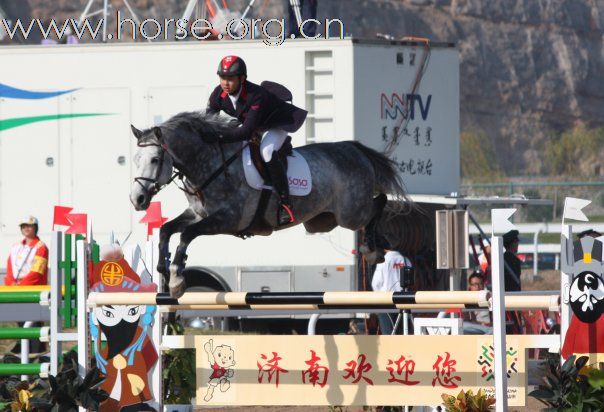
pixel 387 278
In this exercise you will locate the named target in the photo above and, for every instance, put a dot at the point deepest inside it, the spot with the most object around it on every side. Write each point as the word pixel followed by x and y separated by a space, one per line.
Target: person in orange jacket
pixel 28 259
pixel 28 265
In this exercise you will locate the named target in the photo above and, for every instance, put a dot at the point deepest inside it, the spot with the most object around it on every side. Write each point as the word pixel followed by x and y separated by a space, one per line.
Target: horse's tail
pixel 387 179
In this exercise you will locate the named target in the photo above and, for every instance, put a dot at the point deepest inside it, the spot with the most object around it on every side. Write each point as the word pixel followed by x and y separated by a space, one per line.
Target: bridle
pixel 155 185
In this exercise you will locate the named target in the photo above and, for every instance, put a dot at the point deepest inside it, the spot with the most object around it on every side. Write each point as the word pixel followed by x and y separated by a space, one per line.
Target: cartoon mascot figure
pixel 583 261
pixel 222 360
pixel 129 353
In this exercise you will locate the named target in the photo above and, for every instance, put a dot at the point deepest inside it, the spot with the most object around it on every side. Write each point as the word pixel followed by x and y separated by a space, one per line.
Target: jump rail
pixel 324 300
pixel 306 299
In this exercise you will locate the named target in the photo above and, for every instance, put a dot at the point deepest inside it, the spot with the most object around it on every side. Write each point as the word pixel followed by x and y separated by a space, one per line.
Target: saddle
pixel 285 150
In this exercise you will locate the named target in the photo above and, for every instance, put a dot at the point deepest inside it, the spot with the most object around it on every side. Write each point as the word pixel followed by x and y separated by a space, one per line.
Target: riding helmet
pixel 232 66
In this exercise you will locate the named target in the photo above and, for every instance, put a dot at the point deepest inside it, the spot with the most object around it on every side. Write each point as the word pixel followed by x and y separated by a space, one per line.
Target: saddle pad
pixel 298 174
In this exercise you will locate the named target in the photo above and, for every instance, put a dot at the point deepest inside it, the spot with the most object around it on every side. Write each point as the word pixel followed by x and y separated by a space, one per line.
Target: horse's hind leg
pixel 369 247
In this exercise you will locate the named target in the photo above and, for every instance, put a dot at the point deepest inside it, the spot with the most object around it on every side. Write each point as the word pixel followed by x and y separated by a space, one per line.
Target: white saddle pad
pixel 298 174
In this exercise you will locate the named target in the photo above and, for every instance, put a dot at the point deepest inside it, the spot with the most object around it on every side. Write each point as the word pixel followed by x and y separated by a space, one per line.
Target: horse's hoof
pixel 177 282
pixel 177 287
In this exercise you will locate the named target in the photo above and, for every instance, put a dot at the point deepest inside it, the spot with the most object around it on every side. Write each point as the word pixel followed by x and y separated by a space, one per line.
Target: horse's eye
pixel 155 160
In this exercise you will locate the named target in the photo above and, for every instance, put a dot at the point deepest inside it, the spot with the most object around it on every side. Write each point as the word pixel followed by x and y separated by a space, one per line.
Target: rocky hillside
pixel 529 68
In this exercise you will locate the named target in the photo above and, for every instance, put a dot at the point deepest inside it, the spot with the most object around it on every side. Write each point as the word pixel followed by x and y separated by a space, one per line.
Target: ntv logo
pixel 404 105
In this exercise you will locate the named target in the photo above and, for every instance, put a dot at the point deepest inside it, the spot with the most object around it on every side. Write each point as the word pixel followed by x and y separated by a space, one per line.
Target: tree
pixel 576 152
pixel 478 160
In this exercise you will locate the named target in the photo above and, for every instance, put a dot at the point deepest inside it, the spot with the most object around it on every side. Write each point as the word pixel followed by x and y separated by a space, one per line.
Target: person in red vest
pixel 28 265
pixel 28 259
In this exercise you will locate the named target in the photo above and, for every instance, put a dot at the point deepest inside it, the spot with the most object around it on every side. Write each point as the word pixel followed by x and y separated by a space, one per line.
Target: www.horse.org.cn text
pixel 271 31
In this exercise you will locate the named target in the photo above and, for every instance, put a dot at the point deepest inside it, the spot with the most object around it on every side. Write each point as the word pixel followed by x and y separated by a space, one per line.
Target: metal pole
pixel 312 324
pixel 186 15
pixel 151 258
pixel 565 279
pixel 295 5
pixel 484 235
pixel 82 287
pixel 535 255
pixel 55 299
pixel 105 14
pixel 85 12
pixel 499 332
pixel 244 15
pixel 83 336
pixel 25 349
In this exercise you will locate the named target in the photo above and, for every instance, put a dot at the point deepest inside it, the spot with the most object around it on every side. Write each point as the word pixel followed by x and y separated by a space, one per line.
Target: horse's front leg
pixel 212 225
pixel 176 225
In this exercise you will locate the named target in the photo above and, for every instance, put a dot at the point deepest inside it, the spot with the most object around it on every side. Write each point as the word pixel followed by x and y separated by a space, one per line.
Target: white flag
pixel 500 220
pixel 572 209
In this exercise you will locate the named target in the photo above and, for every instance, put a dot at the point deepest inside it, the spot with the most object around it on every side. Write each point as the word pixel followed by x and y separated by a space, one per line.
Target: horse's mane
pixel 200 122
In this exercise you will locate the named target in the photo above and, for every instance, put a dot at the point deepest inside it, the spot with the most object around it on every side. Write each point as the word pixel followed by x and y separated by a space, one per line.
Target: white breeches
pixel 271 141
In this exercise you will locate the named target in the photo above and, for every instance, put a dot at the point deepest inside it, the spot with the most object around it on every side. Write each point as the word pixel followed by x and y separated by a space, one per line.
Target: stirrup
pixel 289 214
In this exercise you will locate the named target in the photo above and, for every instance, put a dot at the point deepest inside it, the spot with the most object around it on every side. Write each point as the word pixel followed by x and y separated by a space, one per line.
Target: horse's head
pixel 153 167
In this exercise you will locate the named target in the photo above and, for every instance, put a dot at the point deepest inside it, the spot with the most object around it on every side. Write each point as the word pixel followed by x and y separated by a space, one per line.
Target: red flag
pixel 155 225
pixel 60 216
pixel 78 223
pixel 153 213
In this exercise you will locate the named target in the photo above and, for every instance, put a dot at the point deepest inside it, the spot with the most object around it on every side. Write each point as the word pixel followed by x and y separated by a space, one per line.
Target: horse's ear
pixel 157 133
pixel 137 133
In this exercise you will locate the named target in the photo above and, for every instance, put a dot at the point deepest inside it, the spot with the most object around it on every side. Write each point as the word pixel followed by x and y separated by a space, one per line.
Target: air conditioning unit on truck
pixel 65 115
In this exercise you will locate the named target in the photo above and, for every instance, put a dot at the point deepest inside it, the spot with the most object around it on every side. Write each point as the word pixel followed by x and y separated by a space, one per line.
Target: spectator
pixel 28 259
pixel 28 265
pixel 512 264
pixel 477 322
pixel 308 10
pixel 387 278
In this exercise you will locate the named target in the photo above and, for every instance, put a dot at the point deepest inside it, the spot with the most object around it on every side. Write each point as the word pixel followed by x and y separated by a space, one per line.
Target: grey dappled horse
pixel 349 187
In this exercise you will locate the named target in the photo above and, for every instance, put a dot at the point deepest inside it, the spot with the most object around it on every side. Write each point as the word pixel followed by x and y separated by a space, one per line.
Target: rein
pixel 223 168
pixel 156 187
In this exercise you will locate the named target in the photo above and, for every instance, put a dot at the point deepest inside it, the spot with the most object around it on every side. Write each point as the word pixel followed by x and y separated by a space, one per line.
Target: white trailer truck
pixel 65 112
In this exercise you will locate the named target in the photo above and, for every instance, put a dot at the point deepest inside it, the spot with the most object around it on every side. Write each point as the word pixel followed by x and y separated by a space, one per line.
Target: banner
pixel 352 370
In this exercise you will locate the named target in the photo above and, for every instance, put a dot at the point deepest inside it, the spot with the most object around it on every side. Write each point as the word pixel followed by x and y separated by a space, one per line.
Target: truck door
pixel 100 167
pixel 29 164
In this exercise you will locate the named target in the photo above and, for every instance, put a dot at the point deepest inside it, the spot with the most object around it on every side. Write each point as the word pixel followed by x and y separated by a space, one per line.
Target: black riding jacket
pixel 257 109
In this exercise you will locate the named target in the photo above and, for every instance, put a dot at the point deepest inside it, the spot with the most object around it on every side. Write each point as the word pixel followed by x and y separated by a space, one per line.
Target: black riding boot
pixel 278 176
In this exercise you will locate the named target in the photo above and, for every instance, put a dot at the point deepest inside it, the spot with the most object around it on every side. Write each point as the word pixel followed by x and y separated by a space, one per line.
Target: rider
pixel 259 110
